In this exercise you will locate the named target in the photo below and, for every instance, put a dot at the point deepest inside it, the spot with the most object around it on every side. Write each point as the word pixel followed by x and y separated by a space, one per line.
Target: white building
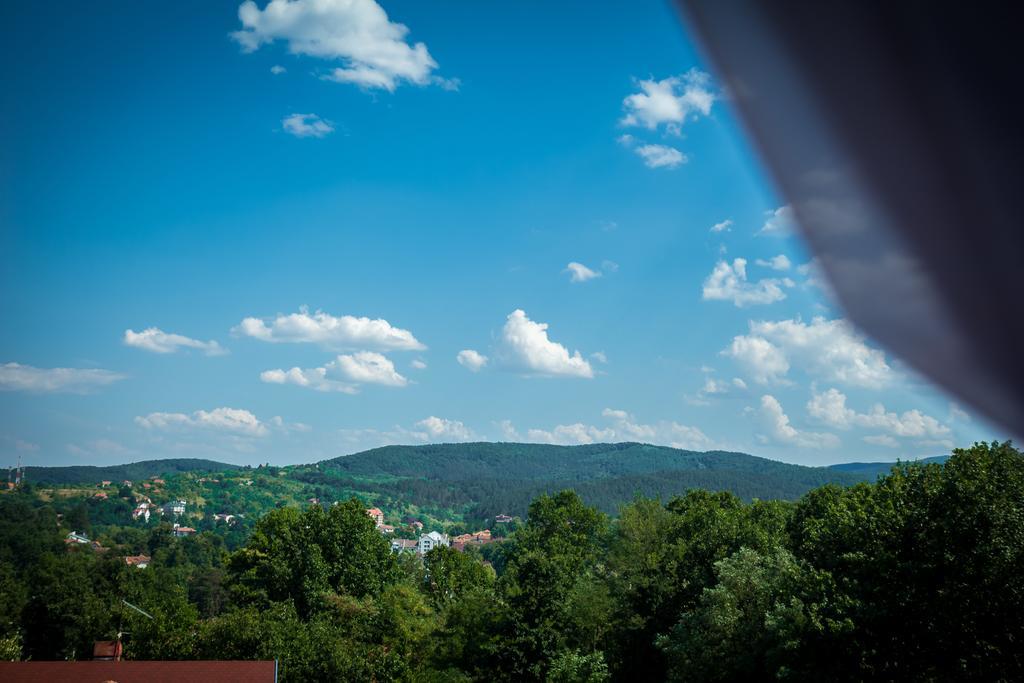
pixel 175 507
pixel 430 541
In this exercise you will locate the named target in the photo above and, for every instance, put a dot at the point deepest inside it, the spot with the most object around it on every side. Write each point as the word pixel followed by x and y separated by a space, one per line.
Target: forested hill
pixel 79 474
pixel 487 479
pixel 872 470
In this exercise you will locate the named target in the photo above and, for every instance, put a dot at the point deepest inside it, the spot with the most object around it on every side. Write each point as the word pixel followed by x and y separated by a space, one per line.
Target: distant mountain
pixel 476 481
pixel 89 474
pixel 490 478
pixel 872 470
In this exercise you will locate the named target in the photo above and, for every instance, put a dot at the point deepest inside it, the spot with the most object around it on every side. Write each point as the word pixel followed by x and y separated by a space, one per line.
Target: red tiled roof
pixel 138 672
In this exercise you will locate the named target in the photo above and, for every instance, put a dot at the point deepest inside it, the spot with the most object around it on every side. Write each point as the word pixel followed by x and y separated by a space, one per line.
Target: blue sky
pixel 285 233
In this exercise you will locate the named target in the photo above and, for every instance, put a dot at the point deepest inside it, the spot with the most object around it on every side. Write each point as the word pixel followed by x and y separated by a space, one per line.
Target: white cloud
pixel 778 222
pixel 417 364
pixel 306 126
pixel 621 427
pixel 344 332
pixel 827 349
pixel 782 431
pixel 368 367
pixel 761 359
pixel 739 383
pixel 661 156
pixel 729 283
pixel 669 101
pixel 343 374
pixel 715 386
pixel 373 49
pixel 956 413
pixel 525 346
pixel 829 407
pixel 882 440
pixel 780 262
pixel 17 377
pixel 230 420
pixel 311 378
pixel 723 226
pixel 277 69
pixel 580 273
pixel 471 360
pixel 156 340
pixel 814 277
pixel 599 356
pixel 439 429
pixel 577 433
pixel 429 430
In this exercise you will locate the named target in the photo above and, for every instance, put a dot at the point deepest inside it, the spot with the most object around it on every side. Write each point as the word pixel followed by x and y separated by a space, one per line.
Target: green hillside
pixel 485 479
pixel 872 470
pixel 89 474
pixel 446 484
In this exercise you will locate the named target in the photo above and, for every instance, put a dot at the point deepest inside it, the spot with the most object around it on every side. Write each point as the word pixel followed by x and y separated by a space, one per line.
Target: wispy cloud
pixel 306 126
pixel 17 377
pixel 156 340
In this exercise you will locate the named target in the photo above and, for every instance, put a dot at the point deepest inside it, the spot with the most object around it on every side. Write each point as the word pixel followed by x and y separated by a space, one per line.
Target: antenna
pixel 138 609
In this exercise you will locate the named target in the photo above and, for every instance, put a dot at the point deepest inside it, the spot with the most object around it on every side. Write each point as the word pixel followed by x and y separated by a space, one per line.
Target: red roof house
pixel 138 672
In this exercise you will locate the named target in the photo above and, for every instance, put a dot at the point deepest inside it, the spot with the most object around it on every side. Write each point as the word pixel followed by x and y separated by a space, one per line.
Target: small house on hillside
pixel 182 531
pixel 377 515
pixel 502 519
pixel 403 545
pixel 75 537
pixel 139 561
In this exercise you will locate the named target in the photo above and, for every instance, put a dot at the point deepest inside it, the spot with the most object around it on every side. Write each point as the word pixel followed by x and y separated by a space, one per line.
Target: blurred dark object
pixel 894 131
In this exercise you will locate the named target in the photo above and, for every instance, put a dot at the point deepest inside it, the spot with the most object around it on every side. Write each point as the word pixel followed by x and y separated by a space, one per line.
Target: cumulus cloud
pixel 723 226
pixel 600 356
pixel 828 349
pixel 343 374
pixel 372 49
pixel 661 156
pixel 728 282
pixel 670 101
pixel 621 426
pixel 417 364
pixel 432 429
pixel 17 377
pixel 829 407
pixel 580 273
pixel 439 429
pixel 471 360
pixel 782 431
pixel 277 69
pixel 525 346
pixel 229 420
pixel 763 361
pixel 310 378
pixel 882 440
pixel 306 126
pixel 778 222
pixel 344 332
pixel 156 340
pixel 780 262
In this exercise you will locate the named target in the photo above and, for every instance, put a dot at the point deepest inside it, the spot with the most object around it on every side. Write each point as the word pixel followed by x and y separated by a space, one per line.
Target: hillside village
pixel 227 505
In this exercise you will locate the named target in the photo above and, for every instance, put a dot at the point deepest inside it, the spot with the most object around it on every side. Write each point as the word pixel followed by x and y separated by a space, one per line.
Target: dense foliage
pixel 919 576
